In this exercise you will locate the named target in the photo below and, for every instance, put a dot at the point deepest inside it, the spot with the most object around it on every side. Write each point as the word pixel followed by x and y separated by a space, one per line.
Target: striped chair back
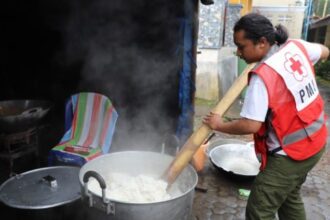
pixel 90 122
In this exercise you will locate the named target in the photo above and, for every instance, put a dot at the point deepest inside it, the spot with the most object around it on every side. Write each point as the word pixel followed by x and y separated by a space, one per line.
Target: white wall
pixel 216 72
pixel 278 2
pixel 291 17
pixel 207 84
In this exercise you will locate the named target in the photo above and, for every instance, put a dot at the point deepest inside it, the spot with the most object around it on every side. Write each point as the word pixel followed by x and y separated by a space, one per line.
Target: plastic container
pixel 199 158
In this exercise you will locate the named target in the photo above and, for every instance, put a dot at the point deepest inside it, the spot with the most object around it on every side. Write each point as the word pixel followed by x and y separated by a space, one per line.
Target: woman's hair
pixel 257 26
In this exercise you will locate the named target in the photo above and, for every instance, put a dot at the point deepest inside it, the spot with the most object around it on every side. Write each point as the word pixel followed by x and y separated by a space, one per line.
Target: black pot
pixel 20 115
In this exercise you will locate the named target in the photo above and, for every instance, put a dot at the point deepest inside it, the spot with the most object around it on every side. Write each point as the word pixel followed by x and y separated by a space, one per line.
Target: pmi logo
pixel 294 65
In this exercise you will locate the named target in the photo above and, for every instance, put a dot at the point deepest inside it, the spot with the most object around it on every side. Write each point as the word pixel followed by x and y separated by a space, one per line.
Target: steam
pixel 127 52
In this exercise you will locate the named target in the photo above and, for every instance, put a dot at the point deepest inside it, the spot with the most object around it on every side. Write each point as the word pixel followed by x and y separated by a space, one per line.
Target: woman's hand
pixel 240 126
pixel 213 120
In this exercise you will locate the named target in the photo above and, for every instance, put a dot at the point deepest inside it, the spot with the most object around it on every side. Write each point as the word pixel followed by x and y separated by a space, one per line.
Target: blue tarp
pixel 186 84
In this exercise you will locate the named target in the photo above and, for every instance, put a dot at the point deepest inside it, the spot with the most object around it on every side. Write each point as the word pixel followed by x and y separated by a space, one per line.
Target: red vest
pixel 301 133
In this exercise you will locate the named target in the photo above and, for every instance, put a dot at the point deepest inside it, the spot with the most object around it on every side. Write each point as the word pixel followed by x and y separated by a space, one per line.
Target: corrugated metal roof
pixel 321 22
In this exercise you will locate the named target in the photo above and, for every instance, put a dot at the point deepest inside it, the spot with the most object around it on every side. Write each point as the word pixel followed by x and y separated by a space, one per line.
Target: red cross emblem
pixel 294 65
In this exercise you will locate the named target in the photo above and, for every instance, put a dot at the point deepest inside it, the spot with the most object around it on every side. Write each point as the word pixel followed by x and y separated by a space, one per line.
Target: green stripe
pixel 82 106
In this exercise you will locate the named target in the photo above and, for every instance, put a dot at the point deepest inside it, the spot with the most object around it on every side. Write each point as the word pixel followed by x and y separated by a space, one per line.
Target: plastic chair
pixel 90 121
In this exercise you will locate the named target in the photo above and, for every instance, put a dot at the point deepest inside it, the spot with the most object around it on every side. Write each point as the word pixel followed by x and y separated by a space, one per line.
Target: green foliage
pixel 322 69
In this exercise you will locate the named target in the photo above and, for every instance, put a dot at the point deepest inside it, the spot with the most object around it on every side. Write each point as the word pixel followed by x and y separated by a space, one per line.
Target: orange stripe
pixel 93 156
pixel 106 126
pixel 94 118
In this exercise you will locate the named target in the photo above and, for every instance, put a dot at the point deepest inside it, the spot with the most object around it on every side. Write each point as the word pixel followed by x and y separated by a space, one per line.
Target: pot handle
pixel 109 206
pixel 100 180
pixel 97 176
pixel 170 141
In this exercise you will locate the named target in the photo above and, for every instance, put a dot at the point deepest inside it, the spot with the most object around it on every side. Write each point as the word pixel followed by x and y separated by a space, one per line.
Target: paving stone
pixel 220 210
pixel 241 203
pixel 222 217
pixel 316 216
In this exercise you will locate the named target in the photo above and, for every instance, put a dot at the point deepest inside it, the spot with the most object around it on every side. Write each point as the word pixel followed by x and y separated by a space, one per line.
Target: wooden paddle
pixel 196 139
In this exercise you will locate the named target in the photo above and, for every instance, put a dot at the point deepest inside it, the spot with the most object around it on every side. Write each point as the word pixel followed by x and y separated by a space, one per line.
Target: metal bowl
pixel 221 141
pixel 234 157
pixel 237 159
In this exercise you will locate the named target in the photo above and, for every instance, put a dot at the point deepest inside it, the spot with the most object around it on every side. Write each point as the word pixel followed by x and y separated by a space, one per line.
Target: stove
pixel 15 146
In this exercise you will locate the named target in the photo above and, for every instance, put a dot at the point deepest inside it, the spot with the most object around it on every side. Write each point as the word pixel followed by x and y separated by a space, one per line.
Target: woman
pixel 284 111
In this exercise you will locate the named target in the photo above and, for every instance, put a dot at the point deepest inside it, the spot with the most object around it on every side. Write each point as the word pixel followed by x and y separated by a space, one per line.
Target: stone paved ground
pixel 222 200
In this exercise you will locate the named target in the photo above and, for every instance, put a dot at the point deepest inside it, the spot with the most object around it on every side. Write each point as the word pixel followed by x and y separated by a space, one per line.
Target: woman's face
pixel 248 50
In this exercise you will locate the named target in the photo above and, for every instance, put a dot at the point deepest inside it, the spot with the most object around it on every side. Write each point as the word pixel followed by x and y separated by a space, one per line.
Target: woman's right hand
pixel 213 120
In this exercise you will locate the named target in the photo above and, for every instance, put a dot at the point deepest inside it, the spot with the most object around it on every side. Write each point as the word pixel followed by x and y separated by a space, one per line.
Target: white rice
pixel 125 188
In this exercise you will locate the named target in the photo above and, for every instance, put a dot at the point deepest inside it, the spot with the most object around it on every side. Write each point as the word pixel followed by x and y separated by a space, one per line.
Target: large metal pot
pixel 20 115
pixel 134 163
pixel 50 193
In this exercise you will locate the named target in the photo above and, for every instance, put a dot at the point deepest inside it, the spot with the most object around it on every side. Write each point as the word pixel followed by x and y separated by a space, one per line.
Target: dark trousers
pixel 277 189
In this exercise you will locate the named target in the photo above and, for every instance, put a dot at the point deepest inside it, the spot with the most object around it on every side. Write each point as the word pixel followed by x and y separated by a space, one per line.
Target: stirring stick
pixel 197 138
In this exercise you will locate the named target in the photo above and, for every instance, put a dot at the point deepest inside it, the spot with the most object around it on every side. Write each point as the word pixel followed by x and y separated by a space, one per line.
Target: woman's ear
pixel 262 42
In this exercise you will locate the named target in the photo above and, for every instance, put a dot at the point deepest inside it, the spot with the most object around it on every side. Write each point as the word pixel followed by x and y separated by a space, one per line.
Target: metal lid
pixel 42 188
